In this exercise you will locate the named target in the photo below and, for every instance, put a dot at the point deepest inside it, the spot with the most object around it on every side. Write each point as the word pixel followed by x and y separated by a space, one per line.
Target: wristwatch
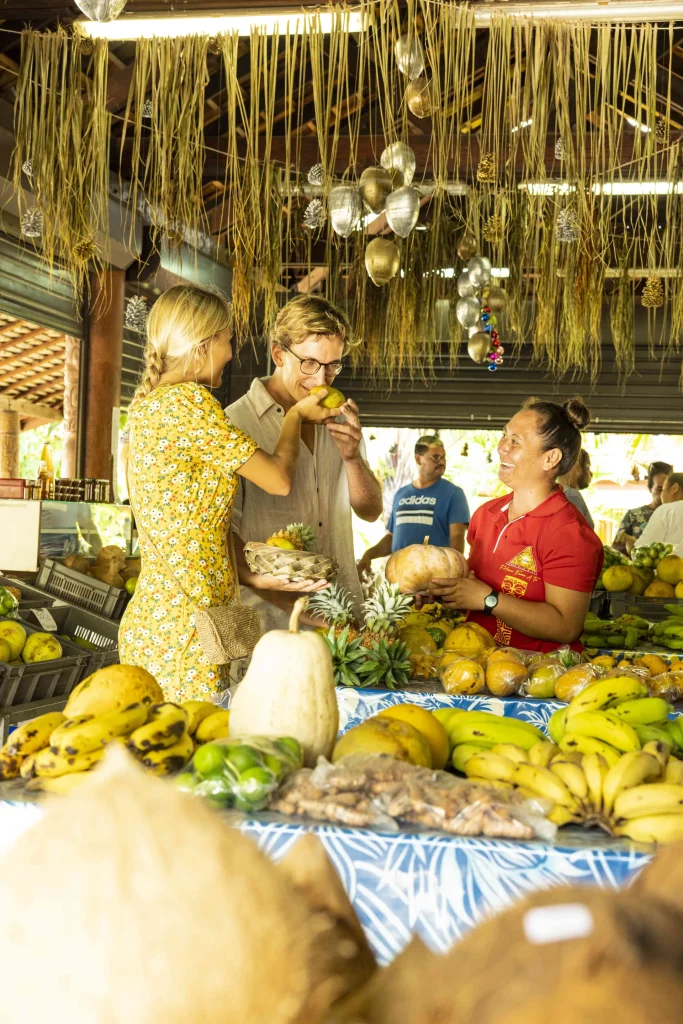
pixel 491 602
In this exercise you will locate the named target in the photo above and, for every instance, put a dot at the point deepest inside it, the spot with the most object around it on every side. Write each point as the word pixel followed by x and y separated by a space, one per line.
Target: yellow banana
pixel 215 727
pixel 560 816
pixel 28 765
pixel 488 765
pixel 660 750
pixel 197 711
pixel 49 764
pixel 494 783
pixel 170 759
pixel 10 766
pixel 572 776
pixel 463 753
pixel 545 783
pixel 655 828
pixel 595 768
pixel 557 724
pixel 542 753
pixel 674 771
pixel 605 693
pixel 651 798
pixel 589 745
pixel 604 726
pixel 61 784
pixel 630 770
pixel 568 757
pixel 96 732
pixel 542 805
pixel 166 724
pixel 34 735
pixel 511 750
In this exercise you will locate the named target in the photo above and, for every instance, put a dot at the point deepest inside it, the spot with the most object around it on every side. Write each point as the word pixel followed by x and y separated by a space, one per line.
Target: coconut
pixel 140 904
pixel 414 567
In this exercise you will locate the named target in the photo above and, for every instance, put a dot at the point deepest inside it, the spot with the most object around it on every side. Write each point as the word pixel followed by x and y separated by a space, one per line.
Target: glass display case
pixel 33 530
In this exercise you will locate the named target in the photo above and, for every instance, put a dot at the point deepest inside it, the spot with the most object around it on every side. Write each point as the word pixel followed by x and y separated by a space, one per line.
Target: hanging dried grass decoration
pixel 487 168
pixel 653 293
pixel 493 228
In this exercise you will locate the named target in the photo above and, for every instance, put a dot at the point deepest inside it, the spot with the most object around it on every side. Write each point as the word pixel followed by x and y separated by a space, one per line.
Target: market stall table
pixel 399 883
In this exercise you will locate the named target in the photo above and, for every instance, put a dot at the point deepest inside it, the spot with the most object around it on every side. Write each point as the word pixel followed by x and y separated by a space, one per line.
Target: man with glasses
pixel 309 339
pixel 427 507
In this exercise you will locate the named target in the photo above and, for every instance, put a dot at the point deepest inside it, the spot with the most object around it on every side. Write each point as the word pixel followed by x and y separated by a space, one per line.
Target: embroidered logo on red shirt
pixel 524 560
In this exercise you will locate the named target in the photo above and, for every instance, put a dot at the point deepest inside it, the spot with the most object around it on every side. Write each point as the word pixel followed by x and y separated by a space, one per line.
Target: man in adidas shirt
pixel 429 506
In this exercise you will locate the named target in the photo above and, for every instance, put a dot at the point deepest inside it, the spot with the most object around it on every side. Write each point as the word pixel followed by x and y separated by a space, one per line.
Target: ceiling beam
pixel 46 371
pixel 54 344
pixel 29 410
pixel 45 390
pixel 22 337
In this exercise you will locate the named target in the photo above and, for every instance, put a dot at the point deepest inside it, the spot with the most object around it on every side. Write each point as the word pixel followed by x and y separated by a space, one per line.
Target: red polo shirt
pixel 552 544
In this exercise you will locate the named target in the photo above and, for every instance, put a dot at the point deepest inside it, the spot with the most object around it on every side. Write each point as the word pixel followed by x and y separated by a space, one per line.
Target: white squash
pixel 288 690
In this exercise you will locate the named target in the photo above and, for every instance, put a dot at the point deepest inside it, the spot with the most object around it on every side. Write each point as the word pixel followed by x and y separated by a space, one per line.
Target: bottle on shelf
pixel 46 473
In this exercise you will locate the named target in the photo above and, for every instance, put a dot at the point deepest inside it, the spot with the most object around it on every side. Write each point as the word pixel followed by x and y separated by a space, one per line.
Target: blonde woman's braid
pixel 151 374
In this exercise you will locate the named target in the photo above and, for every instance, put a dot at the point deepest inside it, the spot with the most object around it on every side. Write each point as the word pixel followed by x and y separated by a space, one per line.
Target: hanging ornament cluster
pixel 135 317
pixel 346 209
pixel 101 10
pixel 314 215
pixel 477 307
pixel 382 260
pixel 493 228
pixel 568 229
pixel 653 293
pixel 32 223
pixel 487 168
pixel 316 174
pixel 559 149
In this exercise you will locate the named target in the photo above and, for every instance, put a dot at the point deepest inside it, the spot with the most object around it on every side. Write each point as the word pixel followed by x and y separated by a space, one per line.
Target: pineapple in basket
pixel 295 537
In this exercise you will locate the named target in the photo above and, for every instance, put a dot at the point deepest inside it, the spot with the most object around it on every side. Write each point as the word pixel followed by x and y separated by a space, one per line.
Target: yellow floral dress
pixel 183 459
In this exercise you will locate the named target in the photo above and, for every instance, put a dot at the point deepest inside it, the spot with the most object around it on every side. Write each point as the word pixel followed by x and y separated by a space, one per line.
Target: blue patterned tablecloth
pixel 438 886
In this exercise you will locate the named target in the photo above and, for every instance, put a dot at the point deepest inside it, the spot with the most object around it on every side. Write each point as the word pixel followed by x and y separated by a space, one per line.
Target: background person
pixel 666 522
pixel 576 480
pixel 636 519
pixel 184 458
pixel 429 506
pixel 309 339
pixel 534 560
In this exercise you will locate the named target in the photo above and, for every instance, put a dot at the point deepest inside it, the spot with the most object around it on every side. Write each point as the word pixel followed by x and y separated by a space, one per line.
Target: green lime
pixel 186 781
pixel 246 806
pixel 275 765
pixel 243 757
pixel 216 792
pixel 255 784
pixel 209 759
pixel 292 748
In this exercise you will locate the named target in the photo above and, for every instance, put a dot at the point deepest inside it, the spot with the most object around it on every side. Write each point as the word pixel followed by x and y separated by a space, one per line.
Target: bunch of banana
pixel 625 633
pixel 25 741
pixel 669 632
pixel 474 731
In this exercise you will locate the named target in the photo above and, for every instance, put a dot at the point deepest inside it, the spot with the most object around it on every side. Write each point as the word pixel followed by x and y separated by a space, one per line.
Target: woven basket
pixel 295 566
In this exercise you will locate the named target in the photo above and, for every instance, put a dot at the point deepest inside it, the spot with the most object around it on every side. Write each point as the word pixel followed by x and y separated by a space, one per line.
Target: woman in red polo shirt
pixel 534 559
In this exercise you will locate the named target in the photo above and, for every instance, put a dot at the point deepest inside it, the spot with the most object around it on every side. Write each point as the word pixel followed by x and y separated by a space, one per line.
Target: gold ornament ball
pixel 496 299
pixel 382 260
pixel 467 246
pixel 374 186
pixel 419 97
pixel 478 347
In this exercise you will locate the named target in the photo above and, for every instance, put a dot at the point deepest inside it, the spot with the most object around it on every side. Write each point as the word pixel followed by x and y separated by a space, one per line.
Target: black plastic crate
pixel 31 597
pixel 650 608
pixel 598 603
pixel 23 684
pixel 76 588
pixel 85 625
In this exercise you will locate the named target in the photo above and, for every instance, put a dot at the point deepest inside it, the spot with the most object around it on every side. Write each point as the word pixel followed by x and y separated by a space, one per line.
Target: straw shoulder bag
pixel 227 632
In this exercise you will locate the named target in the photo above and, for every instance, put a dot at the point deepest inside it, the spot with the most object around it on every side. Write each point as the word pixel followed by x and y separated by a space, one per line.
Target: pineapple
pixel 384 612
pixel 297 534
pixel 387 665
pixel 347 657
pixel 335 606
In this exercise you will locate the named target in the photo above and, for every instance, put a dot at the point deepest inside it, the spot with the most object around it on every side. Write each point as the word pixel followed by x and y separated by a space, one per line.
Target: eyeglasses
pixel 311 366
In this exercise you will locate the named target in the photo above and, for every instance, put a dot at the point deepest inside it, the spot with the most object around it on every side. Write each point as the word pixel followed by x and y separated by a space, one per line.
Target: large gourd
pixel 415 566
pixel 288 690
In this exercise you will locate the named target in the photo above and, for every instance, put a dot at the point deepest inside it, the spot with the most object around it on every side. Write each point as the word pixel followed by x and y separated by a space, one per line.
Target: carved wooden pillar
pixel 105 347
pixel 9 443
pixel 72 358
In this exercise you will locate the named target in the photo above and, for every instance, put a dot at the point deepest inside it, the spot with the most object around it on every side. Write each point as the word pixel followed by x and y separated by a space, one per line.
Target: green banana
pixel 168 760
pixel 571 742
pixel 490 732
pixel 95 733
pixel 557 724
pixel 652 798
pixel 604 693
pixel 605 726
pixel 463 753
pixel 674 609
pixel 33 735
pixel 166 724
pixel 654 828
pixel 631 770
pixel 646 711
pixel 674 729
pixel 653 734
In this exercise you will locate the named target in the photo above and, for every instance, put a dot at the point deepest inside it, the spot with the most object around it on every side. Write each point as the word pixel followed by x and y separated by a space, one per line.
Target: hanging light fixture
pixel 101 10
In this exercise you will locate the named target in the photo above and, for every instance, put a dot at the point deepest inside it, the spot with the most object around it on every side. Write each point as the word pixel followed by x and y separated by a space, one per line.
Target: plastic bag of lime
pixel 241 772
pixel 9 606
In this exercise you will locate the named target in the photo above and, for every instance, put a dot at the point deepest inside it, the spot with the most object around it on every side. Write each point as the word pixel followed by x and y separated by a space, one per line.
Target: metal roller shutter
pixel 29 292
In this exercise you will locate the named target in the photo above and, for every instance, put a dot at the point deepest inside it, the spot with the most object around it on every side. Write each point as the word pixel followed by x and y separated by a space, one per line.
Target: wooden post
pixel 72 356
pixel 103 378
pixel 9 443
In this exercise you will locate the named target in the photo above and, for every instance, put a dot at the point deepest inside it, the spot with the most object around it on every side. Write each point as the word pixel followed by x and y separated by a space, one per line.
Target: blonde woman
pixel 183 460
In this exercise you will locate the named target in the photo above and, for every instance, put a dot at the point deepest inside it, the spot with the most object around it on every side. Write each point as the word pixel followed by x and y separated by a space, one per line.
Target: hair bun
pixel 577 413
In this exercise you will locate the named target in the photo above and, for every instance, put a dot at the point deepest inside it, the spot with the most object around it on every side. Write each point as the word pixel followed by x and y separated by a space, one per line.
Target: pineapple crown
pixel 386 605
pixel 304 533
pixel 334 605
pixel 347 655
